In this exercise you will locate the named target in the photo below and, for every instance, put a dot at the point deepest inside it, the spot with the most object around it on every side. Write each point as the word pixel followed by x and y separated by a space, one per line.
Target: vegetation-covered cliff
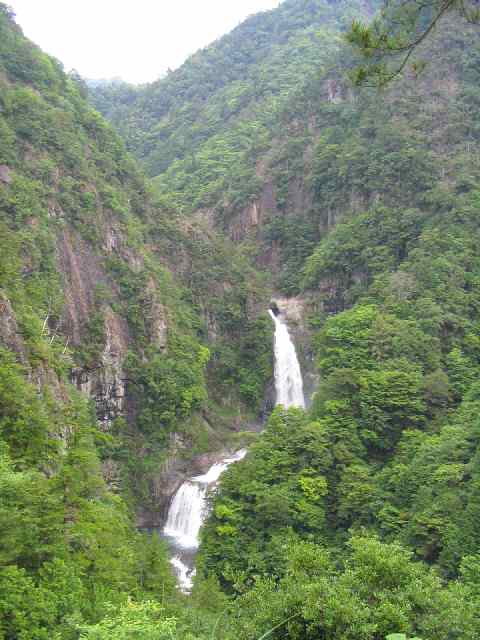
pixel 133 338
pixel 131 344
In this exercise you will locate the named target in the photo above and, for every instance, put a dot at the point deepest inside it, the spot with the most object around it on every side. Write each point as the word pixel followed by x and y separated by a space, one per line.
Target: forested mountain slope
pixel 106 280
pixel 292 161
pixel 248 71
pixel 127 340
pixel 353 520
pixel 389 450
pixel 368 205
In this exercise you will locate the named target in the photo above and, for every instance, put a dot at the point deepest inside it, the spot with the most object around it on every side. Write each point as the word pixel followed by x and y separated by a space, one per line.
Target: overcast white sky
pixel 136 40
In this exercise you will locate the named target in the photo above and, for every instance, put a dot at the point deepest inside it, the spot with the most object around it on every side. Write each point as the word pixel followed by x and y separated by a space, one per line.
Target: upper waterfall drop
pixel 288 376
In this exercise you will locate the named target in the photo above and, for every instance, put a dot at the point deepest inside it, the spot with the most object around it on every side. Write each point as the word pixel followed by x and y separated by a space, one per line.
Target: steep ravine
pixel 152 318
pixel 179 465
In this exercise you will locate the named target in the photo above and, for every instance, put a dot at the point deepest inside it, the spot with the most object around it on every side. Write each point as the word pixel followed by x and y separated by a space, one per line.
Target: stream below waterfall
pixel 188 508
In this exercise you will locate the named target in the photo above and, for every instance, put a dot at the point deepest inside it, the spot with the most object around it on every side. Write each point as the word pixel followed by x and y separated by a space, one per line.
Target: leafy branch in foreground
pixel 389 42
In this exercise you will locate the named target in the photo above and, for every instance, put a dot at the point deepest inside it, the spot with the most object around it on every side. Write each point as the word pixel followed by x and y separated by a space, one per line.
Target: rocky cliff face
pixel 84 276
pixel 106 384
pixel 9 332
pixel 286 193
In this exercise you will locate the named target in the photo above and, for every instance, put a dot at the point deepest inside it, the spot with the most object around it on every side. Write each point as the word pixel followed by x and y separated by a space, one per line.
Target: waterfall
pixel 186 515
pixel 288 376
pixel 188 508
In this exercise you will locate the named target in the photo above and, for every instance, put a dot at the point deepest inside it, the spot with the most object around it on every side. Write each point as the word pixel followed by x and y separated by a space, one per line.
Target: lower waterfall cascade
pixel 186 514
pixel 188 508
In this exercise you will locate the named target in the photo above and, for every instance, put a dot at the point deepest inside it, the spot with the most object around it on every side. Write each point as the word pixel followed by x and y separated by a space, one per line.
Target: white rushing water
pixel 288 376
pixel 184 573
pixel 186 515
pixel 188 508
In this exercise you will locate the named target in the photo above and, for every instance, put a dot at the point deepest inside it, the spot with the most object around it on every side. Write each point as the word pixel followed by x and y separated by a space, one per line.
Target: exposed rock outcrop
pixel 82 272
pixel 292 309
pixel 9 333
pixel 158 318
pixel 106 384
pixel 5 174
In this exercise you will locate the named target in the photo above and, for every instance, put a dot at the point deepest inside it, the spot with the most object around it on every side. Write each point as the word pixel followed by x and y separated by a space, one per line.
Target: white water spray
pixel 184 573
pixel 186 515
pixel 288 376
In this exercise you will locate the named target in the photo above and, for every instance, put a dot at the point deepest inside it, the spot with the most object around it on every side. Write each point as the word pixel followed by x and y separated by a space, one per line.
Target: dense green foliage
pixel 87 258
pixel 389 448
pixel 390 42
pixel 243 68
pixel 356 519
pixel 68 546
pixel 323 151
pixel 201 129
pixel 83 290
pixel 375 590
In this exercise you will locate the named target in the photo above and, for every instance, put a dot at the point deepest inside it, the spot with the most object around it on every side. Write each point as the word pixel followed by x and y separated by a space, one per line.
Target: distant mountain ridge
pixel 102 82
pixel 213 87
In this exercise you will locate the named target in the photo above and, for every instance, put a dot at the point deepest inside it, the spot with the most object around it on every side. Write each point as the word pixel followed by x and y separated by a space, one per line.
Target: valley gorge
pixel 239 338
